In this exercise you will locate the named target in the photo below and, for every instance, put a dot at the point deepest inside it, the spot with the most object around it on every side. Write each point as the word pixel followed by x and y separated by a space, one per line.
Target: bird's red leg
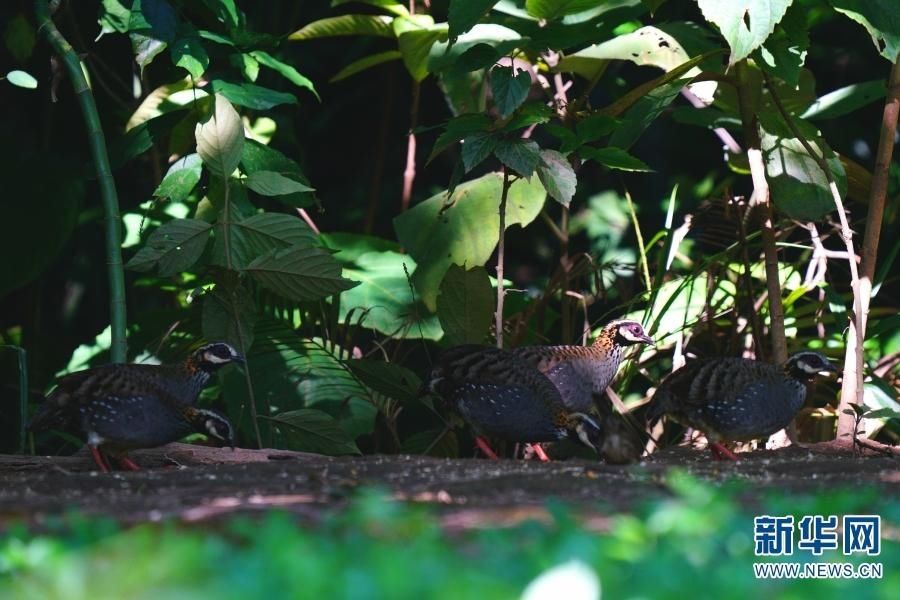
pixel 98 458
pixel 128 464
pixel 721 452
pixel 539 452
pixel 485 448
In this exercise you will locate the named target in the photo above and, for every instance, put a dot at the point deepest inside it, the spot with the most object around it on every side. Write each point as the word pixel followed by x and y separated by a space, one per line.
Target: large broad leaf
pixel 384 300
pixel 230 314
pixel 509 89
pixel 415 37
pixel 345 25
pixel 190 54
pixel 285 70
pixel 180 179
pixel 784 52
pixel 881 18
pixel 220 139
pixel 387 378
pixel 174 247
pixel 444 55
pixel 458 128
pixel 797 184
pixel 745 24
pixel 250 95
pixel 311 430
pixel 464 14
pixel 557 175
pixel 646 46
pixel 520 155
pixel 144 136
pixel 462 229
pixel 252 237
pixel 300 273
pixel 259 157
pixel 271 183
pixel 465 305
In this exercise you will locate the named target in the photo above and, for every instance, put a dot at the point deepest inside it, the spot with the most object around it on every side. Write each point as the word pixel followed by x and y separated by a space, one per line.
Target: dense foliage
pixel 271 197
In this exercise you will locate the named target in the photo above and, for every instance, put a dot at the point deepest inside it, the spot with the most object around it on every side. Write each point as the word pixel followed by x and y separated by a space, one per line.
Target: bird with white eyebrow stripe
pixel 123 407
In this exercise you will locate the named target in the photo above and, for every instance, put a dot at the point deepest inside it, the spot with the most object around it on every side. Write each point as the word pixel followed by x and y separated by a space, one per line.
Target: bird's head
pixel 213 356
pixel 213 424
pixel 626 332
pixel 587 431
pixel 806 364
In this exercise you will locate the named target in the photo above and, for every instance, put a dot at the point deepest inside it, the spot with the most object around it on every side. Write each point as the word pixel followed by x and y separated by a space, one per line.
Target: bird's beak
pixel 830 369
pixel 648 340
pixel 239 359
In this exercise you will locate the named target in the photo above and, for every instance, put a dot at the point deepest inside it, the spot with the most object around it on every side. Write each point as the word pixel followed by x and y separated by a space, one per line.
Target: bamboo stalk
pixel 115 272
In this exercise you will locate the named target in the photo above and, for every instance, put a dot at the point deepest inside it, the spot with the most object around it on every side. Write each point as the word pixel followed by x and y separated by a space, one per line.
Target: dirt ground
pixel 193 484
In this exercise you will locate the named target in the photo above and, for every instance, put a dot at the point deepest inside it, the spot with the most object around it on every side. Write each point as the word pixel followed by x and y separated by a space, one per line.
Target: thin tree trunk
pixel 501 246
pixel 115 271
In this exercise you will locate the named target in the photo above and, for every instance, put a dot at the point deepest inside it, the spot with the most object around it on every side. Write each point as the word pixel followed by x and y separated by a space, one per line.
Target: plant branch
pixel 852 384
pixel 409 174
pixel 115 271
pixel 645 269
pixel 501 245
pixel 761 198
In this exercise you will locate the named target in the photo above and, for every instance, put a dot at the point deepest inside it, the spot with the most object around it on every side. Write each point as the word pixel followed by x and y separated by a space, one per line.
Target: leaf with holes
pixel 881 18
pixel 300 273
pixel 745 24
pixel 174 247
pixel 311 430
pixel 220 139
pixel 465 305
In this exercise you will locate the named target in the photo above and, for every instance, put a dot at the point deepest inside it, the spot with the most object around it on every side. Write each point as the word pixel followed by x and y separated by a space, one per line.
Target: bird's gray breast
pixel 759 409
pixel 135 421
pixel 579 378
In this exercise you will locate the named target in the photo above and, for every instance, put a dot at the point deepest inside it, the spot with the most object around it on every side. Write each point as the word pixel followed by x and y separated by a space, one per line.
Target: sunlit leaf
pixel 304 273
pixel 220 139
pixel 174 247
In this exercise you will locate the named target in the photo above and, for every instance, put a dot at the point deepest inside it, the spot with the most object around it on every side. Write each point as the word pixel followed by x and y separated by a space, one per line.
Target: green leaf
pixel 246 64
pixel 531 113
pixel 509 89
pixel 614 158
pixel 364 63
pixel 458 128
pixel 881 18
pixel 644 112
pixel 465 305
pixel 113 17
pixel 174 247
pixel 797 184
pixel 784 52
pixel 464 14
pixel 181 178
pixel 462 229
pixel 415 46
pixel 302 274
pixel 384 300
pixel 392 6
pixel 251 95
pixel 476 148
pixel 270 183
pixel 745 24
pixel 155 18
pixel 285 70
pixel 311 430
pixel 262 233
pixel 845 100
pixel 557 175
pixel 387 378
pixel 259 157
pixel 230 314
pixel 188 53
pixel 22 79
pixel 551 10
pixel 226 12
pixel 220 139
pixel 594 127
pixel 145 49
pixel 445 55
pixel 345 25
pixel 522 156
pixel 142 137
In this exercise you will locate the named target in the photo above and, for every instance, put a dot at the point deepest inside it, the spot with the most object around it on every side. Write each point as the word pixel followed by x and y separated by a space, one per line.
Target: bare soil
pixel 194 483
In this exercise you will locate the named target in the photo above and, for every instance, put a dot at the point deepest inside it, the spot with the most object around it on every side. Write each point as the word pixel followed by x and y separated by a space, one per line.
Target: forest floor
pixel 192 483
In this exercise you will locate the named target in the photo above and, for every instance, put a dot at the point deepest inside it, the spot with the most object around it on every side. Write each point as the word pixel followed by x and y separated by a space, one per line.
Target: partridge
pixel 122 407
pixel 737 399
pixel 500 395
pixel 578 372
